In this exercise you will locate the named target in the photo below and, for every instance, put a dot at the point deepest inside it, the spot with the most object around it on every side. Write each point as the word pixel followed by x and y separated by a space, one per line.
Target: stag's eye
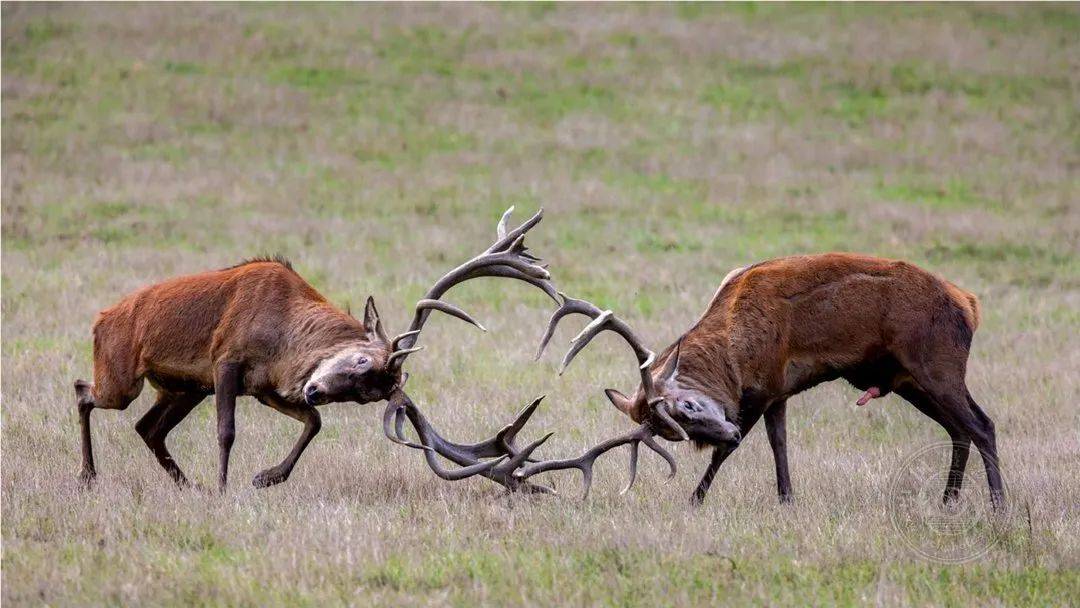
pixel 691 406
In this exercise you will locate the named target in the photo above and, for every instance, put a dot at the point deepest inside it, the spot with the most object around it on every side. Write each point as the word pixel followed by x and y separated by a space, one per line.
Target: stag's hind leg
pixel 981 430
pixel 961 442
pixel 227 378
pixel 776 426
pixel 962 417
pixel 84 401
pixel 159 420
pixel 104 394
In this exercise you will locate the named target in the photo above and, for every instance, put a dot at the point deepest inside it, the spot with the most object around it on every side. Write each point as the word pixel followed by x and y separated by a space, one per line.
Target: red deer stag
pixel 780 327
pixel 259 329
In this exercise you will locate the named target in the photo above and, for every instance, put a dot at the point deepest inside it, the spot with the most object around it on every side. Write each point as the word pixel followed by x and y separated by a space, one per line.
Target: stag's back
pixel 812 314
pixel 177 328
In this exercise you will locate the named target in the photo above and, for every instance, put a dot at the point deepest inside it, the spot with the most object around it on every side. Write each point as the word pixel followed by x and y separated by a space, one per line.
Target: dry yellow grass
pixel 376 146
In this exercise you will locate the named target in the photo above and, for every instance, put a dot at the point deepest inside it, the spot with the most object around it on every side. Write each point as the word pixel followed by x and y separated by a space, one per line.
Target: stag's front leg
pixel 306 414
pixel 719 455
pixel 226 388
pixel 749 418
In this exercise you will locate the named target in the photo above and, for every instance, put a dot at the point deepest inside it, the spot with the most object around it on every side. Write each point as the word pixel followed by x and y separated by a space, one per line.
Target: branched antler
pixel 606 320
pixel 508 257
pixel 506 457
pixel 584 463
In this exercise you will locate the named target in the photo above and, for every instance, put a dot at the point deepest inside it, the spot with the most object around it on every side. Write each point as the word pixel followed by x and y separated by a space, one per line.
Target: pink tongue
pixel 873 393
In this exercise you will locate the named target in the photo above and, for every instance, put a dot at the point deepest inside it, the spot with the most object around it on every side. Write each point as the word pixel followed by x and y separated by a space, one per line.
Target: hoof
pixel 200 488
pixel 268 478
pixel 86 478
pixel 183 483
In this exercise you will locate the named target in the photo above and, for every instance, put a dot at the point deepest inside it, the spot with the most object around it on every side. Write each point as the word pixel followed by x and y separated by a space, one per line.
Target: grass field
pixel 377 145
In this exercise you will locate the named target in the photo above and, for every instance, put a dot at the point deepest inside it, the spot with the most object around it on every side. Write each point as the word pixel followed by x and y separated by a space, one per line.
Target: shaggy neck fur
pixel 319 333
pixel 704 361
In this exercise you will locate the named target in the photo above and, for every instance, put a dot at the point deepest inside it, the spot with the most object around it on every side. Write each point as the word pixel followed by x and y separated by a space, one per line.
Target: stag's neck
pixel 705 362
pixel 315 333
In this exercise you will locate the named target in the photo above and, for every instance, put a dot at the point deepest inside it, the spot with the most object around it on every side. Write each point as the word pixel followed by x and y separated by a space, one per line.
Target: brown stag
pixel 780 327
pixel 259 329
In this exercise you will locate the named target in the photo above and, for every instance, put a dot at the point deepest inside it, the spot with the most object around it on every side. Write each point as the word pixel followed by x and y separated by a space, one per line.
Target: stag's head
pixel 701 417
pixel 362 371
pixel 664 403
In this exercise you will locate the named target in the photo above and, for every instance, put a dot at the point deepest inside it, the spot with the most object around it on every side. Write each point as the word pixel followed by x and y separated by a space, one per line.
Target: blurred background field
pixel 376 146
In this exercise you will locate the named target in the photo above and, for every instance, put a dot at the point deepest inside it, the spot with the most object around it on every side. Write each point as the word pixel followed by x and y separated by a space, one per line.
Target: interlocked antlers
pixel 507 457
pixel 509 465
pixel 507 257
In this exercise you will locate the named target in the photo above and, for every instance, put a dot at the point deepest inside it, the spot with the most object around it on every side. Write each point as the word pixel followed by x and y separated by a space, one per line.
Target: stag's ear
pixel 672 364
pixel 372 324
pixel 619 400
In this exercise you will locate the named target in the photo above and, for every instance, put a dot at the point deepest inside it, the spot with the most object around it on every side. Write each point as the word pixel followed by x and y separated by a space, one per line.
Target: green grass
pixel 376 146
pixel 954 193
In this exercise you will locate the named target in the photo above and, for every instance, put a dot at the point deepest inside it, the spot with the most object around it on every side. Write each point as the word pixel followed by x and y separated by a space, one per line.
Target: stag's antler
pixel 507 257
pixel 606 320
pixel 507 458
pixel 584 463
pixel 509 465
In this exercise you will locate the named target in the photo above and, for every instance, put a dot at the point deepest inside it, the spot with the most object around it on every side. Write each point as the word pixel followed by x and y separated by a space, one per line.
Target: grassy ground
pixel 376 146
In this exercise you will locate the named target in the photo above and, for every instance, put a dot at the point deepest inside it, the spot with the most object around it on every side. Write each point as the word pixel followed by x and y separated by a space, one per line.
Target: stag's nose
pixel 312 394
pixel 729 434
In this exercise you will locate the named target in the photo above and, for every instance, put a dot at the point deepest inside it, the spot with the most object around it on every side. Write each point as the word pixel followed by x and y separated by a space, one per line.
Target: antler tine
pixel 505 437
pixel 606 320
pixel 500 230
pixel 398 338
pixel 392 415
pixel 633 469
pixel 584 463
pixel 507 257
pixel 449 309
pixel 401 354
pixel 509 237
pixel 661 410
pixel 601 320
